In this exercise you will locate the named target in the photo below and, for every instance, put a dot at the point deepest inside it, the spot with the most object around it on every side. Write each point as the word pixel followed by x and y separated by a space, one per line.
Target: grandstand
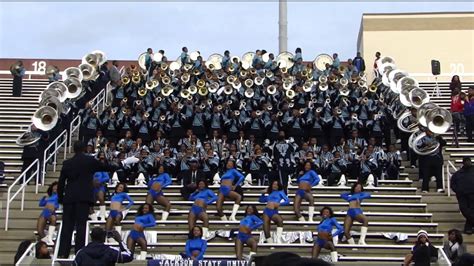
pixel 396 206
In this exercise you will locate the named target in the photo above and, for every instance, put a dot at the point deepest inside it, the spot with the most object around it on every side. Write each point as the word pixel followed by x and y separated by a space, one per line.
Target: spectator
pixel 455 83
pixel 462 182
pixel 423 252
pixel 469 113
pixel 41 250
pixel 457 108
pixel 97 253
pixel 454 247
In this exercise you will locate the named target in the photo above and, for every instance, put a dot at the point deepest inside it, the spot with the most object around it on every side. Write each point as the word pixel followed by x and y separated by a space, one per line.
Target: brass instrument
pixel 248 83
pixel 271 89
pixel 219 107
pixel 202 106
pixel 307 86
pixel 243 74
pixel 150 85
pixel 229 102
pixel 269 74
pixel 258 80
pixel 164 66
pixel 185 77
pixel 236 112
pixel 279 113
pixel 290 94
pixel 269 107
pixel 253 71
pixel 344 91
pixel 45 118
pixel 373 88
pixel 162 118
pixel 319 110
pixel 228 90
pixel 302 111
pixel 231 79
pixel 193 89
pixel 213 87
pixel 166 80
pixel 184 94
pixel 249 93
pixel 333 78
pixel 136 79
pixel 88 72
pixel 258 113
pixel 343 82
pixel 142 91
pixel 167 90
pixel 200 83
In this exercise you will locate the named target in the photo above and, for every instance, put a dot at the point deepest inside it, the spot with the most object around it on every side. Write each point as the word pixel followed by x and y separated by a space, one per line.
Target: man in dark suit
pixel 190 178
pixel 75 193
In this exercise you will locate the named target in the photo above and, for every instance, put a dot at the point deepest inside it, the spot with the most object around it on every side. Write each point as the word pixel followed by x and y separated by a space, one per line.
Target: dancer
pixel 145 218
pixel 195 245
pixel 274 199
pixel 308 180
pixel 99 182
pixel 202 197
pixel 116 208
pixel 227 190
pixel 250 222
pixel 50 204
pixel 354 198
pixel 325 235
pixel 155 193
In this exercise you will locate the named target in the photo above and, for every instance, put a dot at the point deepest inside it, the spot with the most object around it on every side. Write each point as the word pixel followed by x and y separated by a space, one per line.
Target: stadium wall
pixel 414 39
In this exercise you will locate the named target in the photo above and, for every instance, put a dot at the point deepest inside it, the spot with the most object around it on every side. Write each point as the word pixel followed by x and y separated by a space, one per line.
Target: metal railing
pixel 29 252
pixel 34 165
pixel 449 166
pixel 442 258
pixel 51 152
pixel 98 103
pixel 73 128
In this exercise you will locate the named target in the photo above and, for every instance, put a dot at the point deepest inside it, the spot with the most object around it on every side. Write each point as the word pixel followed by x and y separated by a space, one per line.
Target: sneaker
pixel 440 190
pixel 413 166
pixel 399 141
pixel 433 179
pixel 424 191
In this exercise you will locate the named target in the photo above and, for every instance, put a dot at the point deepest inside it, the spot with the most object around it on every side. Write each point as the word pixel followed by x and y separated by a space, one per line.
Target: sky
pixel 68 30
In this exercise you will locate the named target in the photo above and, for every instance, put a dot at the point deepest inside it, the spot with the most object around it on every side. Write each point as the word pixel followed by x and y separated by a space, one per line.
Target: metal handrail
pixel 448 175
pixel 98 100
pixel 73 127
pixel 443 258
pixel 21 189
pixel 30 251
pixel 57 143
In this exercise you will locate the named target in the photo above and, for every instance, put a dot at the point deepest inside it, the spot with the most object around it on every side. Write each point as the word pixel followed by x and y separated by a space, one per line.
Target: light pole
pixel 283 27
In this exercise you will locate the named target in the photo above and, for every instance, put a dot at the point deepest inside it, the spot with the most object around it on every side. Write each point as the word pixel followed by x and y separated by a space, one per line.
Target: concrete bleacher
pixel 15 117
pixel 396 206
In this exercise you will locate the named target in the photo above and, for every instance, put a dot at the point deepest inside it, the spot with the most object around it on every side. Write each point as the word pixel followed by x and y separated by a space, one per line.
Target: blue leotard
pixel 164 180
pixel 121 197
pixel 251 221
pixel 357 196
pixel 275 196
pixel 310 177
pixel 146 220
pixel 327 224
pixel 53 199
pixel 206 195
pixel 231 174
pixel 196 244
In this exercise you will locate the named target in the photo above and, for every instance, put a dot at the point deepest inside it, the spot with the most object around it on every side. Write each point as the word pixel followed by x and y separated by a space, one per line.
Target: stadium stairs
pixel 396 205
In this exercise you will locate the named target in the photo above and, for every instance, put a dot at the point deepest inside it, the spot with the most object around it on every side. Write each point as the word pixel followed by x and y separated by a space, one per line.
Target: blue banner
pixel 197 263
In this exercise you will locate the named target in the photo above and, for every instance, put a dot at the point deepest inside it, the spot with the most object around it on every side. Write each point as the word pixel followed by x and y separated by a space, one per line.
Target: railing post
pixel 65 144
pixel 7 211
pixel 23 188
pixel 55 155
pixel 37 176
pixel 44 167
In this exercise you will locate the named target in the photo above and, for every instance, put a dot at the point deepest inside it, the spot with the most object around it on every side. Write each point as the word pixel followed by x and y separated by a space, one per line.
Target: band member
pixel 325 234
pixel 432 163
pixel 250 222
pixel 145 219
pixel 202 197
pixel 227 190
pixel 18 71
pixel 270 213
pixel 308 180
pixel 100 180
pixel 392 163
pixel 284 159
pixel 195 245
pixel 50 204
pixel 116 207
pixel 354 198
pixel 155 193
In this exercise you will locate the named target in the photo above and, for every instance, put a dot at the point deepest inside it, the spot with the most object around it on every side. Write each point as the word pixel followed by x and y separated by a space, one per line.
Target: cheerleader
pixel 274 199
pixel 115 214
pixel 195 245
pixel 308 180
pixel 155 192
pixel 325 235
pixel 145 218
pixel 227 190
pixel 354 198
pixel 251 222
pixel 100 179
pixel 202 197
pixel 50 204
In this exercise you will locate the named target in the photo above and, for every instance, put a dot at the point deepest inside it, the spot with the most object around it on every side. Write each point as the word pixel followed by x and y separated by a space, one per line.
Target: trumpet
pixel 280 113
pixel 146 115
pixel 355 117
pixel 229 102
pixel 202 106
pixel 271 89
pixel 258 113
pixel 166 80
pixel 319 110
pixel 236 112
pixel 373 88
pixel 302 110
pixel 162 118
pixel 219 107
pixel 230 79
pixel 333 79
pixel 125 99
